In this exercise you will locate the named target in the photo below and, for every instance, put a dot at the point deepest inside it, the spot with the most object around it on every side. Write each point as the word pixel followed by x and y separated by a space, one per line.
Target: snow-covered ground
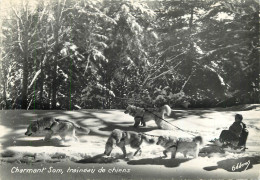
pixel 64 160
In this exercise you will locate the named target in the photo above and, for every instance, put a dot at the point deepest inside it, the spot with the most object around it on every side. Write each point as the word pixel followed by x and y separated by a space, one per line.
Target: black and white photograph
pixel 129 89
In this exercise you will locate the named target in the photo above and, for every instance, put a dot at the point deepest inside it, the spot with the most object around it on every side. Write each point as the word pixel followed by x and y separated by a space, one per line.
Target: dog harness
pixel 49 128
pixel 176 145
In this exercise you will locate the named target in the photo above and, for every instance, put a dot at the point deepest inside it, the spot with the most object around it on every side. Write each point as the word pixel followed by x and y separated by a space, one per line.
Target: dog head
pixel 115 138
pixel 32 129
pixel 127 110
pixel 162 140
pixel 110 144
pixel 134 111
pixel 130 110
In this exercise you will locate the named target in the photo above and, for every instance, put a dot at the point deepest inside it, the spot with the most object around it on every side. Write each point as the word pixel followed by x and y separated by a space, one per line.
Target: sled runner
pixel 215 146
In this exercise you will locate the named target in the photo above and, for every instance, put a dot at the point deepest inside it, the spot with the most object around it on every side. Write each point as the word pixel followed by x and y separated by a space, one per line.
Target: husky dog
pixel 121 138
pixel 51 126
pixel 144 115
pixel 183 145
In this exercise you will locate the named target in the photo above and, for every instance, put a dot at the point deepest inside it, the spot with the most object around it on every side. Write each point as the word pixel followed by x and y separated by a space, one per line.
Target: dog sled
pixel 228 142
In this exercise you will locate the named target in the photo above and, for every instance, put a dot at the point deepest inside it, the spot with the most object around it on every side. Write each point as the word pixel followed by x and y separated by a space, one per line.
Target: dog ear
pixel 124 134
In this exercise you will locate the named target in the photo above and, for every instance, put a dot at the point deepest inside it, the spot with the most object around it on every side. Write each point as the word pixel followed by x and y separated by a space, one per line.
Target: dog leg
pixel 185 154
pixel 124 151
pixel 196 153
pixel 173 154
pixel 137 121
pixel 50 131
pixel 138 150
pixel 165 153
pixel 48 136
pixel 158 123
pixel 62 138
pixel 74 136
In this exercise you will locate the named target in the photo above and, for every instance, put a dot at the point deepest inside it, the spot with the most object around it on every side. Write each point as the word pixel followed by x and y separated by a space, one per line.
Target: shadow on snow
pixel 100 158
pixel 235 165
pixel 158 161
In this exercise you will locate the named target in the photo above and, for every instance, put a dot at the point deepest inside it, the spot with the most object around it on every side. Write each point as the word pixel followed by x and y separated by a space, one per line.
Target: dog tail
pixel 82 129
pixel 166 110
pixel 147 139
pixel 198 139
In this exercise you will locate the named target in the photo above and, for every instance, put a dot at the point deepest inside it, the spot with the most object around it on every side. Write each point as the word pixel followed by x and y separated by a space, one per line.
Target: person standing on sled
pixel 237 134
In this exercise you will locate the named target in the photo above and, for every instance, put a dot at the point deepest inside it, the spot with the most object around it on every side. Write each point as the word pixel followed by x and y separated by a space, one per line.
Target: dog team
pixel 172 144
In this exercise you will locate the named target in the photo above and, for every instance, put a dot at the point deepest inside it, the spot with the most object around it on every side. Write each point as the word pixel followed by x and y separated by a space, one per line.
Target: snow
pixel 224 16
pixel 23 152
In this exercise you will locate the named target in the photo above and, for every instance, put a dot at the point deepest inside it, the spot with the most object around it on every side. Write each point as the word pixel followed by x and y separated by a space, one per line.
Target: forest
pixel 84 54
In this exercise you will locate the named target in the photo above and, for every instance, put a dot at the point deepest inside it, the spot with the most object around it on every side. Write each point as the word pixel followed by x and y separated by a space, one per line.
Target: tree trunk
pixel 191 40
pixel 41 87
pixel 55 67
pixel 255 60
pixel 54 83
pixel 49 96
pixel 69 106
pixel 4 87
pixel 58 14
pixel 109 97
pixel 3 74
pixel 255 75
pixel 25 72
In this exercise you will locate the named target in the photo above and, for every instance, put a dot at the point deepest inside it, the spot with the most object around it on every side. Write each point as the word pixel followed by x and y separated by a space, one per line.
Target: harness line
pixel 169 122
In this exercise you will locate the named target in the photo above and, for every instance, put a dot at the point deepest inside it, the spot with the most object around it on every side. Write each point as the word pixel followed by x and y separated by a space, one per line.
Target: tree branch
pixel 38 22
pixel 183 86
pixel 218 49
pixel 87 64
pixel 166 72
pixel 149 76
pixel 34 78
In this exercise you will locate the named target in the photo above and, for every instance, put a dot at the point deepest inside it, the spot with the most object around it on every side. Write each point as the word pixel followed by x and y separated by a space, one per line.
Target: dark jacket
pixel 237 128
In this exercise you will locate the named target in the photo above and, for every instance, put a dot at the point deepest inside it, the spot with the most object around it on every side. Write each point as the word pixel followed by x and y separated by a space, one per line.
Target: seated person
pixel 237 133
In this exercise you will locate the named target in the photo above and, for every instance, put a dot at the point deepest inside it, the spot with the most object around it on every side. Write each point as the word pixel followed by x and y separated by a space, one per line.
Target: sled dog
pixel 144 115
pixel 122 138
pixel 183 145
pixel 52 126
